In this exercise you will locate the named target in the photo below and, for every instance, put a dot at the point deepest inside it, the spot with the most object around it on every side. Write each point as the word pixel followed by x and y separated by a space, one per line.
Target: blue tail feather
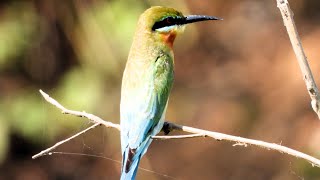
pixel 130 164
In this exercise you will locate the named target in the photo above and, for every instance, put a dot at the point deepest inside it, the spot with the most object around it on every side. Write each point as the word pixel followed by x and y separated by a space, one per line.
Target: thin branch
pixel 195 133
pixel 287 16
pixel 91 117
pixel 179 136
pixel 47 151
pixel 240 141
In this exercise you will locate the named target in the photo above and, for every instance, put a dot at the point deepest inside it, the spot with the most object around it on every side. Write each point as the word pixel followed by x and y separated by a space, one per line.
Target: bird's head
pixel 166 23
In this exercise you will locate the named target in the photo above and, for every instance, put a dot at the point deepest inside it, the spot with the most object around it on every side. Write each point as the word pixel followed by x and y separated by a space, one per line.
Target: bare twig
pixel 239 141
pixel 179 136
pixel 91 117
pixel 47 151
pixel 287 16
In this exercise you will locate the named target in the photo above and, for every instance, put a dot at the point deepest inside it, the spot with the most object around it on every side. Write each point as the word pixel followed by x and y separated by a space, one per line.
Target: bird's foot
pixel 166 128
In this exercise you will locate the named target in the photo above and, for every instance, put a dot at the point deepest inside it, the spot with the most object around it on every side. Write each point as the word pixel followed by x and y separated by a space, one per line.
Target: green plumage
pixel 150 62
pixel 147 82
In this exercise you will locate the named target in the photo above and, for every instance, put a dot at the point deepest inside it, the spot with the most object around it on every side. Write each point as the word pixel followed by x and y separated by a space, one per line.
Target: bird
pixel 147 81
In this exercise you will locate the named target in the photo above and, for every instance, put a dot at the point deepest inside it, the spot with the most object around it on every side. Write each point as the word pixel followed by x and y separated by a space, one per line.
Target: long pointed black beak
pixel 198 18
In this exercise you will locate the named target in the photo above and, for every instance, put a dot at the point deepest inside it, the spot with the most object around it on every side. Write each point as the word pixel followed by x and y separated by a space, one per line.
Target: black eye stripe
pixel 168 21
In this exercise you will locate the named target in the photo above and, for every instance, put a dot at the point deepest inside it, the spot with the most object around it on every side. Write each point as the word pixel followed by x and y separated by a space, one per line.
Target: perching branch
pixel 287 16
pixel 239 141
pixel 91 117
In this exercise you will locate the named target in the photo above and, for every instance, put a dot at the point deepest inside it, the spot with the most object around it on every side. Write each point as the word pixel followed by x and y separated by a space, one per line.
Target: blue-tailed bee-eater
pixel 147 81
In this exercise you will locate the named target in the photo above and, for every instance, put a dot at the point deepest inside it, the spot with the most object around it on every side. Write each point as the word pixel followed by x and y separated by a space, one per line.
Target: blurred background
pixel 237 76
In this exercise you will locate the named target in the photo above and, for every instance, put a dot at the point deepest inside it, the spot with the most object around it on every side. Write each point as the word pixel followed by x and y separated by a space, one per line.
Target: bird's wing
pixel 144 98
pixel 138 119
pixel 139 116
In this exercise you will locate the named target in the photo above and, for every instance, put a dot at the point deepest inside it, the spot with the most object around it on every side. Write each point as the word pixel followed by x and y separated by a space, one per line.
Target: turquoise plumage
pixel 147 82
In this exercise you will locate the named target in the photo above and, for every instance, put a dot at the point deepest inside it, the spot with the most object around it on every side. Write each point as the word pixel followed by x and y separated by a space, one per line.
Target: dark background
pixel 237 76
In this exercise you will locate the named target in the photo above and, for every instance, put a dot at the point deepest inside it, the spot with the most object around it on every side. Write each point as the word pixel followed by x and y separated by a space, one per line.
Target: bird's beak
pixel 198 18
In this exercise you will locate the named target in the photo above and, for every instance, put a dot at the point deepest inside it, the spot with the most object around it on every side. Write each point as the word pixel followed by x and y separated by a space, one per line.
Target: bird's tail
pixel 130 164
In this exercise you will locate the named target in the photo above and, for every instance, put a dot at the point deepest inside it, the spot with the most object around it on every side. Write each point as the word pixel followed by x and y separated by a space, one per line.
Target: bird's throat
pixel 168 38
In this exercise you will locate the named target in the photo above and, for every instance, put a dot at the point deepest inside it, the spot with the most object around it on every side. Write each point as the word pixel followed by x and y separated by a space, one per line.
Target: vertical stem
pixel 313 91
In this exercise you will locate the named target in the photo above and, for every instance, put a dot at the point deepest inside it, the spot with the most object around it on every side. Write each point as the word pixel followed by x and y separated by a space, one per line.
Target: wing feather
pixel 143 105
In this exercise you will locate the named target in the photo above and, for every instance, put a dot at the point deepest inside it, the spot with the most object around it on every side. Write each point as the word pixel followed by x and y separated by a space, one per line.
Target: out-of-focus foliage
pixel 236 76
pixel 18 23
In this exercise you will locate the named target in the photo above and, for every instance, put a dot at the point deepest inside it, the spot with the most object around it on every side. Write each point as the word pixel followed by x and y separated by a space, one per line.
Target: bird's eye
pixel 169 20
